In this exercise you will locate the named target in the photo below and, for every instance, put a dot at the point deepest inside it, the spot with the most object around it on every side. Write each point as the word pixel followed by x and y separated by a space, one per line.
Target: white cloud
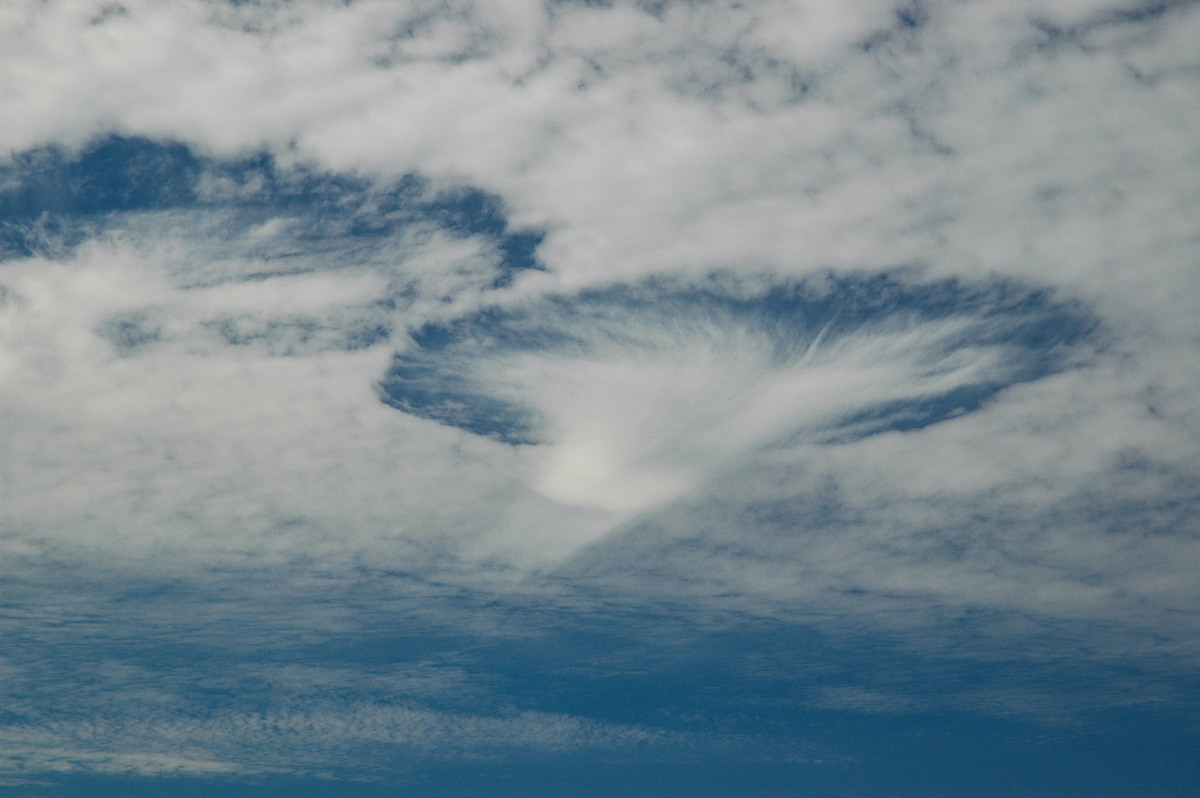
pixel 630 429
pixel 191 439
pixel 186 389
pixel 931 145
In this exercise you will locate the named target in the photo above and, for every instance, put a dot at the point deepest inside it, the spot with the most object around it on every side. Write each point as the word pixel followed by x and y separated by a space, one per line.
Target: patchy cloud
pixel 811 345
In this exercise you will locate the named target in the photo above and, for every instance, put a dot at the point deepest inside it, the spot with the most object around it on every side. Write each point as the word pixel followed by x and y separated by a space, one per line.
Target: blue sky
pixel 762 398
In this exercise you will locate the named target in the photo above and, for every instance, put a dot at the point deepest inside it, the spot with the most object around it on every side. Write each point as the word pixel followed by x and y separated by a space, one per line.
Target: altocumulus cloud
pixel 365 367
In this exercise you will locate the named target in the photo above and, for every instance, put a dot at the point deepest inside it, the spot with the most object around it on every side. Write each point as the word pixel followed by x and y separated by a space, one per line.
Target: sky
pixel 599 398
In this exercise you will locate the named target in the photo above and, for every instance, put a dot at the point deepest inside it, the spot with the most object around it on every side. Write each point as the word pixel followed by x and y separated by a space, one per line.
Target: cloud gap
pixel 50 195
pixel 637 391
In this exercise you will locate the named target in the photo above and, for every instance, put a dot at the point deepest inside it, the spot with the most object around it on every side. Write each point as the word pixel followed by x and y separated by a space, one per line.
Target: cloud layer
pixel 871 322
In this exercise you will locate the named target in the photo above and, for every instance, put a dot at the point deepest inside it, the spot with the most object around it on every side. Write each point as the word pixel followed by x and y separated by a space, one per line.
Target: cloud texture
pixel 869 320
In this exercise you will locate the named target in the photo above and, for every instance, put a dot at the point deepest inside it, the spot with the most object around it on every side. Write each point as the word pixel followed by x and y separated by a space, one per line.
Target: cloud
pixel 641 394
pixel 258 743
pixel 242 297
pixel 211 269
pixel 259 669
pixel 247 744
pixel 186 314
pixel 870 320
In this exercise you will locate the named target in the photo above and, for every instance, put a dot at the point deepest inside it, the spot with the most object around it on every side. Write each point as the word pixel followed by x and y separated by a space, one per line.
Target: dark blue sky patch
pixel 422 389
pixel 936 758
pixel 442 377
pixel 52 199
pixel 111 175
pixel 756 706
